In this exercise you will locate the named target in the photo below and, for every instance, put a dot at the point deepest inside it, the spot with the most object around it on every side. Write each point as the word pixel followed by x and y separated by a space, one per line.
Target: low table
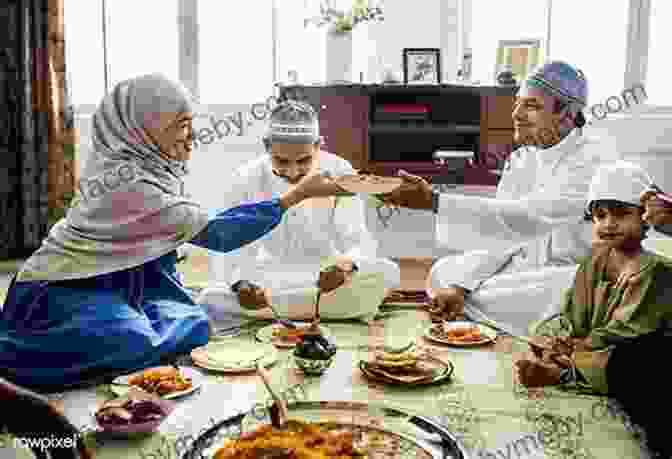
pixel 483 405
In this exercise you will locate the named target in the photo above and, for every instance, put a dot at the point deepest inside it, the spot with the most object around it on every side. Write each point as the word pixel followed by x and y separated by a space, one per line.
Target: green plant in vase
pixel 344 21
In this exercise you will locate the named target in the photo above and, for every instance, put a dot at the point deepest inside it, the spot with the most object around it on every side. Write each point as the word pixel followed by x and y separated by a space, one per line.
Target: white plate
pixel 265 335
pixel 120 384
pixel 491 335
pixel 222 357
pixel 372 184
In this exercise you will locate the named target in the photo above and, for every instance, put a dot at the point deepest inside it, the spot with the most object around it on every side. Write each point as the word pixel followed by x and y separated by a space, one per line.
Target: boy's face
pixel 617 227
pixel 292 162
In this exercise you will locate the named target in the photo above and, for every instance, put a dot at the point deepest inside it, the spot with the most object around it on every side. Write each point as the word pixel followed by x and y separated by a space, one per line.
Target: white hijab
pixel 130 206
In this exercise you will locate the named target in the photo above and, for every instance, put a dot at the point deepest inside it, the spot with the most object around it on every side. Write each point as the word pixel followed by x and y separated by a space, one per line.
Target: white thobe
pixel 521 247
pixel 287 260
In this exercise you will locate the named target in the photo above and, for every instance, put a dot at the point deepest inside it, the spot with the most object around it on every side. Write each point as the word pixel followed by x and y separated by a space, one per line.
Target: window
pixel 593 40
pixel 300 49
pixel 143 38
pixel 236 51
pixel 495 21
pixel 658 66
pixel 84 53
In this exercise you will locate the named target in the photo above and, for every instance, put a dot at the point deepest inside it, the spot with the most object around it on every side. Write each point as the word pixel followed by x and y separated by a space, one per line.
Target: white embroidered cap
pixel 619 181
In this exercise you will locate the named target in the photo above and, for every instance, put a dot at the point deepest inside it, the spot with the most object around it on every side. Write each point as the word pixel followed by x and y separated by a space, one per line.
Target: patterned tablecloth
pixel 491 414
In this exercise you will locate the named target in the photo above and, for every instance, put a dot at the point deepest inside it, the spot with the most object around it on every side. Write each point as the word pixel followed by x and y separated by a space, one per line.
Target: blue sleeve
pixel 233 228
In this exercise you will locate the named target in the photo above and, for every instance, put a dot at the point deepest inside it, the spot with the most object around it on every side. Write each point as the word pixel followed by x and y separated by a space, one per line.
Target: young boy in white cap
pixel 620 293
pixel 282 269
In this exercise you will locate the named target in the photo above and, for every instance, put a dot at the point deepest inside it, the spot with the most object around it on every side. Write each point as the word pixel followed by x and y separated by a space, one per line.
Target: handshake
pixel 254 297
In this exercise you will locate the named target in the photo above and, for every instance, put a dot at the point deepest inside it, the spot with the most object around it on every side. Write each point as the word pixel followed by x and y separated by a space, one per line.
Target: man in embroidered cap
pixel 521 247
pixel 283 268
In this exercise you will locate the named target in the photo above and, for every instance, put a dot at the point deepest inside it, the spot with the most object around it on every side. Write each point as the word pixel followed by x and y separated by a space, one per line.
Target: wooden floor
pixel 413 270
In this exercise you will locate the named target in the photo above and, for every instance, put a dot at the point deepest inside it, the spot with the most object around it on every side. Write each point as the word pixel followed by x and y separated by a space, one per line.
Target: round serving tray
pixel 408 434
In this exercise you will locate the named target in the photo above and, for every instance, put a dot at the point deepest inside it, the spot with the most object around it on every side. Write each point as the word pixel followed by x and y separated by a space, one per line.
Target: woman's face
pixel 619 227
pixel 173 133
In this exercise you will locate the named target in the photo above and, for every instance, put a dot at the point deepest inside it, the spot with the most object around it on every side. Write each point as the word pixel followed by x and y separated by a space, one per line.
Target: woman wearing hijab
pixel 101 294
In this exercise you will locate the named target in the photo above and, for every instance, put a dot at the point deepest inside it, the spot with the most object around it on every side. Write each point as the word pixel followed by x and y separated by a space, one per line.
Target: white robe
pixel 287 260
pixel 522 247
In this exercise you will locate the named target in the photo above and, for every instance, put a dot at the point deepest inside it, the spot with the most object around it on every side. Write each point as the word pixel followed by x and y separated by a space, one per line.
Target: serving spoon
pixel 279 412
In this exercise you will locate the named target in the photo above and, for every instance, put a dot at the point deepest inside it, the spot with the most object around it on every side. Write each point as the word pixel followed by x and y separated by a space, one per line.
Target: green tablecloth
pixel 494 417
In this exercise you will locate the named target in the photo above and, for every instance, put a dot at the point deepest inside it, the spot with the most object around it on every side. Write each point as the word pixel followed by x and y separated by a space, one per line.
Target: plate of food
pixel 461 333
pixel 137 412
pixel 368 183
pixel 166 382
pixel 222 357
pixel 285 337
pixel 409 368
pixel 326 430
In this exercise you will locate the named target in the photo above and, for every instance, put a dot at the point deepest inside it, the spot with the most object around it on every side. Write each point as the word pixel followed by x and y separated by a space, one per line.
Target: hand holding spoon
pixel 279 412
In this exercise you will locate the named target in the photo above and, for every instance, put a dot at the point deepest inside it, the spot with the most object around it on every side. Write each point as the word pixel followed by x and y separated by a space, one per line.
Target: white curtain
pixel 84 53
pixel 592 37
pixel 494 21
pixel 236 51
pixel 659 67
pixel 143 38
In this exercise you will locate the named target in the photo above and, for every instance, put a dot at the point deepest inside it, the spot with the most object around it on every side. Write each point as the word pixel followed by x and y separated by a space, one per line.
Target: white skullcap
pixel 619 181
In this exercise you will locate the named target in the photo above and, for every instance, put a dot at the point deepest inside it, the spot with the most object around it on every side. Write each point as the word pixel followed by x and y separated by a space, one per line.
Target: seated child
pixel 620 293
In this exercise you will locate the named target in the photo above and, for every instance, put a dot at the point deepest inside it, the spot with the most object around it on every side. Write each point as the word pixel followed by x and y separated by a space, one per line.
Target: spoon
pixel 279 413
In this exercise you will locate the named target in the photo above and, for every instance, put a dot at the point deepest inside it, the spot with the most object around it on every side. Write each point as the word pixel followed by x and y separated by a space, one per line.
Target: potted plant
pixel 340 23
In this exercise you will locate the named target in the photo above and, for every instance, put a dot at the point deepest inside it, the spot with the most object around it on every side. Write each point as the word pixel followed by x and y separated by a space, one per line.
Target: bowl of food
pixel 314 354
pixel 135 413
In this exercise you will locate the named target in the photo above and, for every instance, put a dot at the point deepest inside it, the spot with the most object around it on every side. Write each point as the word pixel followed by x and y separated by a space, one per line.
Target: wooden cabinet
pixel 460 118
pixel 343 125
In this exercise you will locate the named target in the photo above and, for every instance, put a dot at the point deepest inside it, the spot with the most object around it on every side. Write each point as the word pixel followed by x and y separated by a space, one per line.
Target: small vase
pixel 339 56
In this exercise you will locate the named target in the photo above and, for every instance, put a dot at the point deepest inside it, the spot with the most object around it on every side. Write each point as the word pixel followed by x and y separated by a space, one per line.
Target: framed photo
pixel 518 56
pixel 422 65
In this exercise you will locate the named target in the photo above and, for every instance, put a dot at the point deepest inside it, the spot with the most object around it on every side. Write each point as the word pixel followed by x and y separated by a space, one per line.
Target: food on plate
pixel 315 347
pixel 293 335
pixel 162 381
pixel 402 361
pixel 405 367
pixel 459 334
pixel 130 411
pixel 365 183
pixel 298 440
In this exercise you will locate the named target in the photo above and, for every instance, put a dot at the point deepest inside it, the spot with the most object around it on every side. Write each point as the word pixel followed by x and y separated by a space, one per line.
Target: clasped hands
pixel 548 358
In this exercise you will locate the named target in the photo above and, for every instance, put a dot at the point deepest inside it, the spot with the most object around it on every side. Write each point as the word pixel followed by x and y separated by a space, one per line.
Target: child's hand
pixel 537 374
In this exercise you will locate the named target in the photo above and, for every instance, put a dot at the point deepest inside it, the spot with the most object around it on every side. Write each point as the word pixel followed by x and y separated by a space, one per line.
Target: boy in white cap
pixel 282 269
pixel 619 293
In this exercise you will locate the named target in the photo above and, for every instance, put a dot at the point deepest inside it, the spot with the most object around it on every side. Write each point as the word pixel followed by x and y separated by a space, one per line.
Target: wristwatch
pixel 235 288
pixel 568 376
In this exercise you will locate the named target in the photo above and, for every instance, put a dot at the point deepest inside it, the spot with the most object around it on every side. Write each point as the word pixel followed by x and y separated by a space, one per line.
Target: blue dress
pixel 57 333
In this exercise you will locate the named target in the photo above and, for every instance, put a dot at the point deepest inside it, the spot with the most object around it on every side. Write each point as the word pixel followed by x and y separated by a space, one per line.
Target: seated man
pixel 620 294
pixel 521 247
pixel 283 268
